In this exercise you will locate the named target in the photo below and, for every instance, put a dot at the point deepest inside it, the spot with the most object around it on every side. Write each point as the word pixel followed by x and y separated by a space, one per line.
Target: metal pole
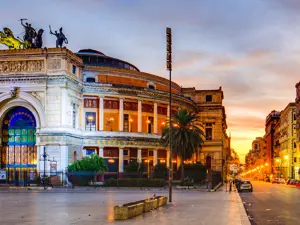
pixel 170 141
pixel 169 67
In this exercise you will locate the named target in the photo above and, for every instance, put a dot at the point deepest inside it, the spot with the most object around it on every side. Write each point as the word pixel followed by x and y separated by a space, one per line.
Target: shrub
pixel 160 171
pixel 135 167
pixel 128 182
pixel 89 163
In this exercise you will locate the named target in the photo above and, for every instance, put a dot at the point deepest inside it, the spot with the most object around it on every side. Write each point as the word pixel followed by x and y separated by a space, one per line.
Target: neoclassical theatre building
pixel 72 105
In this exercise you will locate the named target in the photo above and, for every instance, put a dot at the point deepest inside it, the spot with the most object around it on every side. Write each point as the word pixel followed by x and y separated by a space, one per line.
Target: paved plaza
pixel 96 207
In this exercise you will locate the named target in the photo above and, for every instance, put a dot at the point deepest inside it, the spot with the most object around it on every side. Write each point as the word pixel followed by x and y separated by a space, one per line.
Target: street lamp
pixel 90 119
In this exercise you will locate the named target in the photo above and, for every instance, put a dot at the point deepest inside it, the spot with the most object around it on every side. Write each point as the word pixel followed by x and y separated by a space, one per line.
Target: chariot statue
pixel 31 38
pixel 7 38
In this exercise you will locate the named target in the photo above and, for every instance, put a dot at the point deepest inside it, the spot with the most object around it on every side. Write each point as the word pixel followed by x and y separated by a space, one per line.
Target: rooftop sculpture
pixel 31 39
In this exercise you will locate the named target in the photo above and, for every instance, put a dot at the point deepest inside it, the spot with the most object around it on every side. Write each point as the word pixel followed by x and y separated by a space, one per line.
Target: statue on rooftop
pixel 7 38
pixel 33 38
pixel 30 32
pixel 60 37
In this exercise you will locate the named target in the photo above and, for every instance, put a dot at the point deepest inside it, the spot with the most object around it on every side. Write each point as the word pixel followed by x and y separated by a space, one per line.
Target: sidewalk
pixel 96 207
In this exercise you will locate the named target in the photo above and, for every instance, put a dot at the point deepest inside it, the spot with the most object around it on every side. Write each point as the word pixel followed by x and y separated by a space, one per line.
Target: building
pixel 297 152
pixel 287 141
pixel 213 117
pixel 72 105
pixel 256 158
pixel 270 124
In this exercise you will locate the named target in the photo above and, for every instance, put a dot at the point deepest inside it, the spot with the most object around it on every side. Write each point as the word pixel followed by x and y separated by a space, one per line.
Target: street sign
pixel 2 174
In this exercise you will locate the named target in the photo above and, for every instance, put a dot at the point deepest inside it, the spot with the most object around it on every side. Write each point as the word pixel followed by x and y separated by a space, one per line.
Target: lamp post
pixel 90 119
pixel 169 68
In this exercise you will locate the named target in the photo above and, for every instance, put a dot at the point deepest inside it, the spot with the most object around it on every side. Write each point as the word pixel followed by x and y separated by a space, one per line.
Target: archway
pixel 19 156
pixel 208 163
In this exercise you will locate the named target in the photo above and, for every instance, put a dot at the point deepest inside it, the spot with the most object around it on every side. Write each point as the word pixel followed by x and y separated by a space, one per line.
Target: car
pixel 246 186
pixel 276 181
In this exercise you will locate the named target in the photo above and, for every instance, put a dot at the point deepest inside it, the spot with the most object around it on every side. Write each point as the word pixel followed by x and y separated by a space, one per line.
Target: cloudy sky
pixel 249 47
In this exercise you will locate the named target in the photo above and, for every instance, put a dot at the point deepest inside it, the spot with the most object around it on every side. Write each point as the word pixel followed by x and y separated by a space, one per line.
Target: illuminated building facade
pixel 73 105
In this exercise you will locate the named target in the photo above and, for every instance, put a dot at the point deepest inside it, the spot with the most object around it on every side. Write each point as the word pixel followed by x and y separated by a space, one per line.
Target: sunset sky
pixel 249 47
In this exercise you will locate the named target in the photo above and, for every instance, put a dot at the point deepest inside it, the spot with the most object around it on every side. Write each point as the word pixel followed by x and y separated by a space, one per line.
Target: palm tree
pixel 187 135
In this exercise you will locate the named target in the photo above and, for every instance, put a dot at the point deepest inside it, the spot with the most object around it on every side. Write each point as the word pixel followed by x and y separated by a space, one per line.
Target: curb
pixel 243 214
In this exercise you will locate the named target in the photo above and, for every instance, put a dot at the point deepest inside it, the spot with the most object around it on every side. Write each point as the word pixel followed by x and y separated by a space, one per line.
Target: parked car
pixel 276 181
pixel 245 186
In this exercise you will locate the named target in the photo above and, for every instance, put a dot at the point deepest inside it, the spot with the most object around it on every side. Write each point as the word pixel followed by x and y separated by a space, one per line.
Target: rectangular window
pixel 126 123
pixel 150 122
pixel 150 153
pixel 125 152
pixel 90 121
pixel 294 115
pixel 74 115
pixel 74 69
pixel 208 98
pixel 295 159
pixel 208 133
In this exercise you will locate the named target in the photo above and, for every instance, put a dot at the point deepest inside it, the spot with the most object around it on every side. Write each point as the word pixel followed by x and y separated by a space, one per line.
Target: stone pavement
pixel 96 207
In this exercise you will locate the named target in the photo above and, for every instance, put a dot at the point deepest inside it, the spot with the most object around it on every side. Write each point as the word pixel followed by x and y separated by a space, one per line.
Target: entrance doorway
pixel 18 155
pixel 208 163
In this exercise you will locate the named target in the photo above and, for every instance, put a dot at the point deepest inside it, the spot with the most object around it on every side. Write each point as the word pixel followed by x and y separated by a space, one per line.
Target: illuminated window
pixel 90 121
pixel 208 131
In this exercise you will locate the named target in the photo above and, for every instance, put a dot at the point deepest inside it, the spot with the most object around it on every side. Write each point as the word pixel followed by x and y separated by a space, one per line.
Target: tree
pixel 89 163
pixel 187 135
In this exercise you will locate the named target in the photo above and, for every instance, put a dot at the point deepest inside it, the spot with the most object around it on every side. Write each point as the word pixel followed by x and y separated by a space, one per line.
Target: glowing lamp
pixel 111 160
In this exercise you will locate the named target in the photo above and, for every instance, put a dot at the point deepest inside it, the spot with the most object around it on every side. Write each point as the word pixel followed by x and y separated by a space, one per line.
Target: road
pixel 269 204
pixel 86 208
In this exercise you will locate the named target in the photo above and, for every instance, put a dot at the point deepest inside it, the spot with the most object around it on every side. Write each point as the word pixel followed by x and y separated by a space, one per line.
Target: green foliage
pixel 160 171
pixel 89 163
pixel 187 133
pixel 135 182
pixel 135 167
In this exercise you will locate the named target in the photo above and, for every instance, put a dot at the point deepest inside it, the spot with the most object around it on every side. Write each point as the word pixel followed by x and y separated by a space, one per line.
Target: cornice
pixel 137 91
pixel 131 73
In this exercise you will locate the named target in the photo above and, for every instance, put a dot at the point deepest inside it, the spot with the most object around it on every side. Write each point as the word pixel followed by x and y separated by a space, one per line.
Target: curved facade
pixel 88 103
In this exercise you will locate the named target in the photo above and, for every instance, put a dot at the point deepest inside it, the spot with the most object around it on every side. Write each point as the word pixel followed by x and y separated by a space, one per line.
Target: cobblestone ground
pixel 96 207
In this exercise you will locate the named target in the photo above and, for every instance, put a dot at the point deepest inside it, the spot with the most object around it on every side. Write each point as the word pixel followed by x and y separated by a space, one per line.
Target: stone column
pixel 154 157
pixel 167 159
pixel 101 152
pixel 121 160
pixel 139 115
pixel 121 114
pixel 155 119
pixel 139 156
pixel 168 111
pixel 101 113
pixel 64 154
pixel 39 153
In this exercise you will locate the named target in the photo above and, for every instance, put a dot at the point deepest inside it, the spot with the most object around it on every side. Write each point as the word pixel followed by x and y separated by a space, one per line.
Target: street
pixel 272 204
pixel 96 207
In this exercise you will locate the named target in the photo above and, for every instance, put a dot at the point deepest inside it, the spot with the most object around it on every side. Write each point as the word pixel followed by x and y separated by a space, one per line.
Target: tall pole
pixel 169 67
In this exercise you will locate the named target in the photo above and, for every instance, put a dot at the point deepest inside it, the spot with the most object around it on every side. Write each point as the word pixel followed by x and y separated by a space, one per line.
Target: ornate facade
pixel 72 105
